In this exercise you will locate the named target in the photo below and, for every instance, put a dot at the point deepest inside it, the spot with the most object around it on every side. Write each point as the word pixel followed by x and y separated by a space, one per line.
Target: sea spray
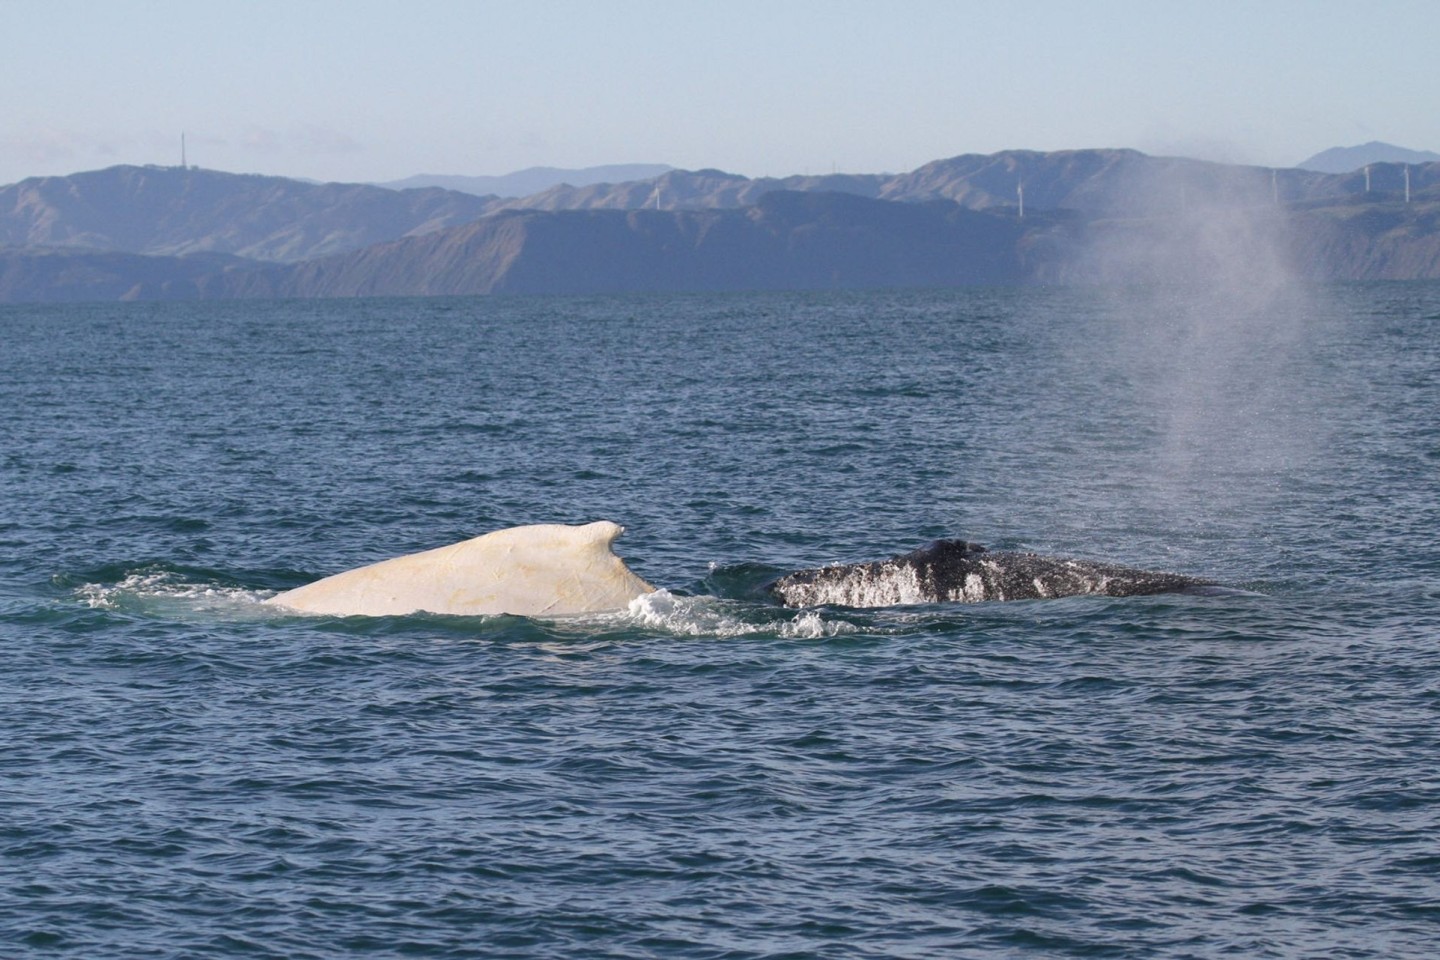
pixel 1208 318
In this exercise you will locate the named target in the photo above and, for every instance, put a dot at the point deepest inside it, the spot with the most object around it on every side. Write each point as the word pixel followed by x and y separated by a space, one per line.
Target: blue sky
pixel 366 90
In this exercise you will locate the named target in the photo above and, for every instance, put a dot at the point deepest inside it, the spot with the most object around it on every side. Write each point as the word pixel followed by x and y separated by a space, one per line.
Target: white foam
pixel 706 616
pixel 164 593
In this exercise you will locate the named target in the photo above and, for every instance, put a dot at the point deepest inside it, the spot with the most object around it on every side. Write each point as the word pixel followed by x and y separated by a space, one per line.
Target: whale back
pixel 541 570
pixel 957 571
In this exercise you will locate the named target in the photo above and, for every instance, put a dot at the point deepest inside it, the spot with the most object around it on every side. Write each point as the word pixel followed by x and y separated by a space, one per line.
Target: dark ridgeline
pixel 1089 216
pixel 786 241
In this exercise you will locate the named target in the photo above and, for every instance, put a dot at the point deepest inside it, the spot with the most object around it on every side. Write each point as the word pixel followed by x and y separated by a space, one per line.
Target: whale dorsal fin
pixel 951 547
pixel 547 569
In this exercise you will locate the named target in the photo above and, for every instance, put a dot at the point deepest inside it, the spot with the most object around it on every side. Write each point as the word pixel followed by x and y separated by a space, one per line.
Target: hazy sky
pixel 377 90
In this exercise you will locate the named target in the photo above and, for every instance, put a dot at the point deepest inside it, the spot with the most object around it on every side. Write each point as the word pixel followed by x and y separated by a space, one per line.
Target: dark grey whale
pixel 956 571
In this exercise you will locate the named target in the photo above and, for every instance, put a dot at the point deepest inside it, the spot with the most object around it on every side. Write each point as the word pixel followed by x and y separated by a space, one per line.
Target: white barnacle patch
pixel 1082 579
pixel 889 585
pixel 871 585
pixel 974 588
pixel 1041 588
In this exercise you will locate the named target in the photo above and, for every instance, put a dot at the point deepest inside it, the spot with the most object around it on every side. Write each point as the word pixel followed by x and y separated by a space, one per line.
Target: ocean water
pixel 185 772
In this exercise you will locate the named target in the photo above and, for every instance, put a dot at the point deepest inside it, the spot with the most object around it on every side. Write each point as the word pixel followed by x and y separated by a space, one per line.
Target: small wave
pixel 170 594
pixel 175 595
pixel 706 616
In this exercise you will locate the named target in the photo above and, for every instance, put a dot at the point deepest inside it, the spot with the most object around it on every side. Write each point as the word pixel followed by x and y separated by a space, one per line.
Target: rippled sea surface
pixel 187 773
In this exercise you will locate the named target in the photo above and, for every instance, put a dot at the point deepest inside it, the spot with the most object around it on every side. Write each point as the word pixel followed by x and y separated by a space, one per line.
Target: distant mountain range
pixel 1348 159
pixel 523 183
pixel 173 211
pixel 1088 216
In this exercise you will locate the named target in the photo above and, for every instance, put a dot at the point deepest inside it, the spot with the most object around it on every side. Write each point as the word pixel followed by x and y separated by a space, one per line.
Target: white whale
pixel 544 570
